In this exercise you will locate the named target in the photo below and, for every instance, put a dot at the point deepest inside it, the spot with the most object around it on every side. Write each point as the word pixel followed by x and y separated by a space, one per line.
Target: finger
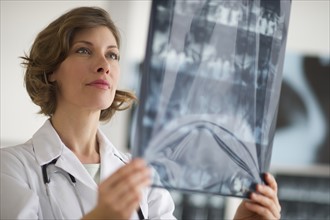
pixel 130 196
pixel 266 191
pixel 132 167
pixel 270 181
pixel 128 184
pixel 270 193
pixel 135 166
pixel 135 174
pixel 132 184
pixel 265 202
pixel 129 201
pixel 125 194
pixel 261 210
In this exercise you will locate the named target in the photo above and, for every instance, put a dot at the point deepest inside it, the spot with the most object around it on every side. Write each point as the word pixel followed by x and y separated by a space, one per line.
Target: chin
pixel 99 103
pixel 105 106
pixel 97 106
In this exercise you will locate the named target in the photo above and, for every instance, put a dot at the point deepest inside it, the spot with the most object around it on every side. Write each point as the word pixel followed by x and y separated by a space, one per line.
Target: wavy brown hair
pixel 51 47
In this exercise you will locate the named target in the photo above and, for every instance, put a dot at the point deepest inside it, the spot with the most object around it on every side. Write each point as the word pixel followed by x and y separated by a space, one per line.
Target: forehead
pixel 95 35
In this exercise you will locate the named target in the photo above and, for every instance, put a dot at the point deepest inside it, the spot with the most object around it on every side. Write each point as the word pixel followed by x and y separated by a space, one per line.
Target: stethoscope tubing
pixel 69 177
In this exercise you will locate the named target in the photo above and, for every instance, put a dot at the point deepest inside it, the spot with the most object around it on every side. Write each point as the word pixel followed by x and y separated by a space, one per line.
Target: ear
pixel 52 77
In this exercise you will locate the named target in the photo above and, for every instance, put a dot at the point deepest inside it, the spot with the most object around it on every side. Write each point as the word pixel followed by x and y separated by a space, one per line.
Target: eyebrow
pixel 91 44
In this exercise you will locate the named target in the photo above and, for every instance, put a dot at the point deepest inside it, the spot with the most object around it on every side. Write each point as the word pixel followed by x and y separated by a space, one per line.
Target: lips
pixel 100 83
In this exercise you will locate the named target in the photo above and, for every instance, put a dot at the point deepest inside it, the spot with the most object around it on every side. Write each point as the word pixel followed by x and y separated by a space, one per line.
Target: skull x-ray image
pixel 209 93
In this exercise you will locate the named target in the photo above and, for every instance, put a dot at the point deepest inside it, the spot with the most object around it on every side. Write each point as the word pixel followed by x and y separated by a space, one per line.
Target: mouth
pixel 100 83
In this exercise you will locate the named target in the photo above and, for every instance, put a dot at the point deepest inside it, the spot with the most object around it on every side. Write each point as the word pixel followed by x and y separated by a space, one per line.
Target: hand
pixel 263 204
pixel 119 195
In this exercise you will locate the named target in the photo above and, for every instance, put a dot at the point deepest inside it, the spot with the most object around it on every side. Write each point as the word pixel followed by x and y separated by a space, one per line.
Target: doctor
pixel 69 169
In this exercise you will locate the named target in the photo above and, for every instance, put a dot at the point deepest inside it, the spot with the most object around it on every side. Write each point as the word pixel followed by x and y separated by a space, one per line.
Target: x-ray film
pixel 209 93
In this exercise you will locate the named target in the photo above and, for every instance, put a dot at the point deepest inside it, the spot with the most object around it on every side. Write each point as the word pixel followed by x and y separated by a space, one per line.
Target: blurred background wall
pixel 308 37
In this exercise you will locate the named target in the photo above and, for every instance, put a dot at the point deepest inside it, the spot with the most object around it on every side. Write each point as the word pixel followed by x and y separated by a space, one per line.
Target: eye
pixel 113 56
pixel 83 50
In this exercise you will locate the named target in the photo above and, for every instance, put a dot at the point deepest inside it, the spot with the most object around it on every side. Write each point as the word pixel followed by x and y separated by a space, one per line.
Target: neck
pixel 78 133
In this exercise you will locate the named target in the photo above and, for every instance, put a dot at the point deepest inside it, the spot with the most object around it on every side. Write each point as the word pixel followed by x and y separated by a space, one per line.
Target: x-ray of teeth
pixel 209 93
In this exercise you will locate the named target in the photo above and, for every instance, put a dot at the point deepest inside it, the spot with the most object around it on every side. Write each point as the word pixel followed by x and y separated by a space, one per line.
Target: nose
pixel 103 70
pixel 103 66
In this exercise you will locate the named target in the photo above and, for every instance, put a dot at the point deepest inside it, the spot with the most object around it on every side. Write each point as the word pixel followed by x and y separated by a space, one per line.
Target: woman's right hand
pixel 119 194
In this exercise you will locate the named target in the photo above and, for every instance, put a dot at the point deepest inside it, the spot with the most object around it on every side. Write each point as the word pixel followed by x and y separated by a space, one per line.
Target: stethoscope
pixel 72 180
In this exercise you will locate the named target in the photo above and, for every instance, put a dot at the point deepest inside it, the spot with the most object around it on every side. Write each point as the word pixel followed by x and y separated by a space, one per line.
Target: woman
pixel 69 169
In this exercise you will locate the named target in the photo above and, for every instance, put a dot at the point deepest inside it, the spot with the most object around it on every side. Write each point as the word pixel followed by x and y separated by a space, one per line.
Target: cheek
pixel 116 75
pixel 70 71
pixel 68 80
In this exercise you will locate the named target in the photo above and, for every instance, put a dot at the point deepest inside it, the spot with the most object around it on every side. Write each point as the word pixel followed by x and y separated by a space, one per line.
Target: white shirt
pixel 94 171
pixel 23 191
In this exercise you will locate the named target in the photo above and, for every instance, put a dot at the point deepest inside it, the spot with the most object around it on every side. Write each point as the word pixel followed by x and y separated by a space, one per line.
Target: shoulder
pixel 15 160
pixel 18 152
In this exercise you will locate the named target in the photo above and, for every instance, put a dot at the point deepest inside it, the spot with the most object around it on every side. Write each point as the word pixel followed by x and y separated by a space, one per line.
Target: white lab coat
pixel 23 192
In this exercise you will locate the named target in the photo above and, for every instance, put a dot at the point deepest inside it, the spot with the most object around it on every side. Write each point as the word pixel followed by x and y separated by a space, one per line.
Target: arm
pixel 263 203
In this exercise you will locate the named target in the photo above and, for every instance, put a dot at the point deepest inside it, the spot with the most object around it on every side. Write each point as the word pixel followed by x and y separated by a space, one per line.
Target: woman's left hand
pixel 263 203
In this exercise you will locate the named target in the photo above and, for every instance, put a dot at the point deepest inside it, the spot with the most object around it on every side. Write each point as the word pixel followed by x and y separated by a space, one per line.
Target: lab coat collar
pixel 111 158
pixel 48 146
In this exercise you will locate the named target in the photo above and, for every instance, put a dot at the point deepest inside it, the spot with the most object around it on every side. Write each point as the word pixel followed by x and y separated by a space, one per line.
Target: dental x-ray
pixel 209 93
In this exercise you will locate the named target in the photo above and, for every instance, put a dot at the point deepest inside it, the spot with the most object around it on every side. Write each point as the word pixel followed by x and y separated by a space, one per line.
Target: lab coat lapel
pixel 86 186
pixel 48 146
pixel 71 164
pixel 111 160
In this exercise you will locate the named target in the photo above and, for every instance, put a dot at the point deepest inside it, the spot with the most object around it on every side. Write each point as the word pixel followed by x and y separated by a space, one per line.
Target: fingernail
pixel 250 195
pixel 263 176
pixel 254 186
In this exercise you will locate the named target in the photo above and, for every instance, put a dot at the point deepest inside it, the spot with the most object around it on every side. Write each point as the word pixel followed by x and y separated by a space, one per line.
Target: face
pixel 88 77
